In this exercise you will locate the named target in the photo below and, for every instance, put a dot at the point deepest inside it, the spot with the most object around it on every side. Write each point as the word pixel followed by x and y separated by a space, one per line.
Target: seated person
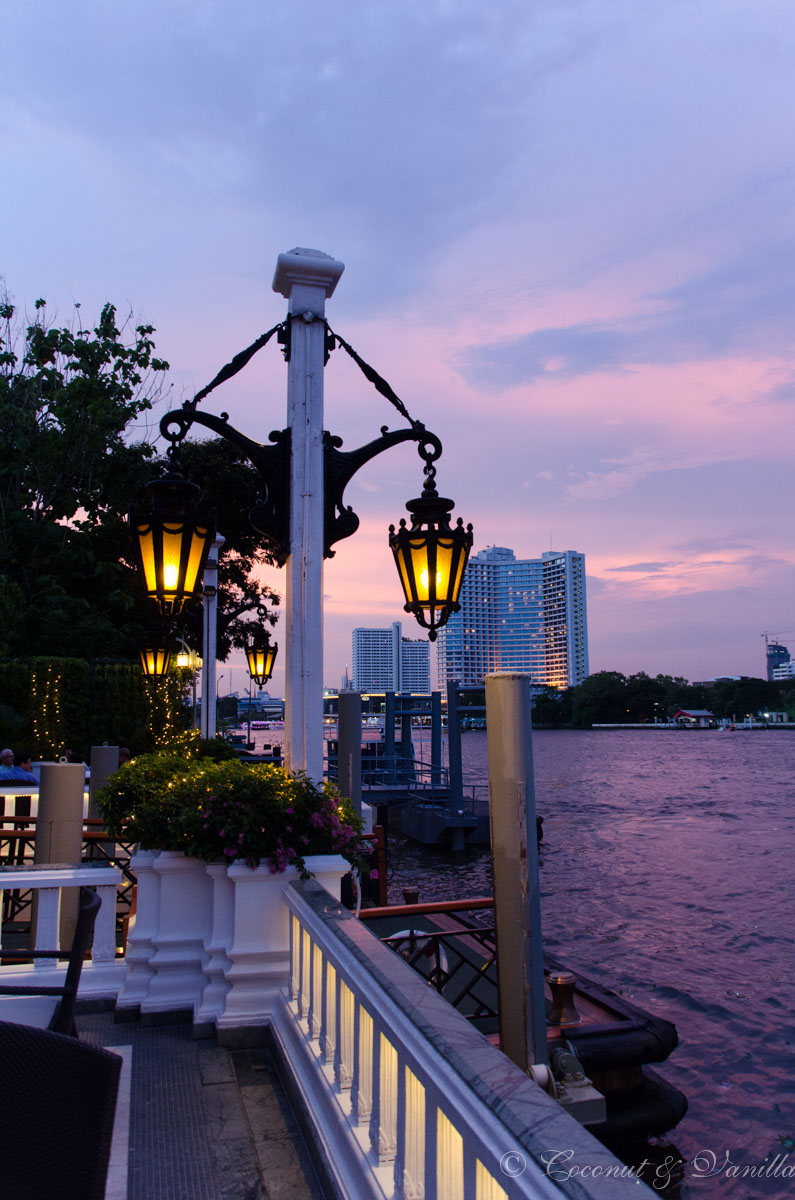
pixel 21 773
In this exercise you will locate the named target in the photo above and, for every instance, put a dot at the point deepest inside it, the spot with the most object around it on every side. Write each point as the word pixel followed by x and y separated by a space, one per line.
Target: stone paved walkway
pixel 205 1123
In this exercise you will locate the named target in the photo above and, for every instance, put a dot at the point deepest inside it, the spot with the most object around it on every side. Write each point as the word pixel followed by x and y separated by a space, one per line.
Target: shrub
pixel 227 810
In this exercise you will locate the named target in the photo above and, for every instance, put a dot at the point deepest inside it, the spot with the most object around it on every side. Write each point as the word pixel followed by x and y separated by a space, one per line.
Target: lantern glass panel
pixel 155 660
pixel 172 559
pixel 146 545
pixel 198 542
pixel 402 558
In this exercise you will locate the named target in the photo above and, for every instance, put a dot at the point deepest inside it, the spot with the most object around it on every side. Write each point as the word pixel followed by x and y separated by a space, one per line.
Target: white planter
pixel 259 954
pixel 217 946
pixel 184 924
pixel 142 929
pixel 212 938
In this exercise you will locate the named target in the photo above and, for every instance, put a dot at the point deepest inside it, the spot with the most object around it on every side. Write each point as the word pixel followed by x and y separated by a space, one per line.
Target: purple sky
pixel 568 237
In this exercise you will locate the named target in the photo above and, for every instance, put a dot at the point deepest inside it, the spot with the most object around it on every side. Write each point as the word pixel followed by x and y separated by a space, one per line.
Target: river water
pixel 667 875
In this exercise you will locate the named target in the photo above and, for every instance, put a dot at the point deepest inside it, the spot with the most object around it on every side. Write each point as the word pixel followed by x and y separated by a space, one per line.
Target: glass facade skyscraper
pixel 526 615
pixel 385 661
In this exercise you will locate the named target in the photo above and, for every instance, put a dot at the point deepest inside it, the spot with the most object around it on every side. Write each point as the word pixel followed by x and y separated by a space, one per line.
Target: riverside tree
pixel 78 450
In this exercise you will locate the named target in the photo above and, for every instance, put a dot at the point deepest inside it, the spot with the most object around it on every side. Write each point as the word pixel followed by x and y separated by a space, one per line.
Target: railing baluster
pixel 486 1186
pixel 295 955
pixel 328 1034
pixel 104 949
pixel 47 914
pixel 316 1011
pixel 449 1160
pixel 415 1137
pixel 383 1124
pixel 346 1043
pixel 304 993
pixel 363 1089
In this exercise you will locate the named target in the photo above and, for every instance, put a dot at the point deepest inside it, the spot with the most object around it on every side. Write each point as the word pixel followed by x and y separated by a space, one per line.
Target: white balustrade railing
pixel 48 883
pixel 406 1099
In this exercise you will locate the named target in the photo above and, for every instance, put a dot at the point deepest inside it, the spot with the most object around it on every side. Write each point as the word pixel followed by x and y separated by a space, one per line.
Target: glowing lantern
pixel 431 558
pixel 172 544
pixel 156 655
pixel 261 657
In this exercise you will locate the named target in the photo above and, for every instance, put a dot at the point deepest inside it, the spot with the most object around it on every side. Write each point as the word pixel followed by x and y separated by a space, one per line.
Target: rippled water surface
pixel 667 874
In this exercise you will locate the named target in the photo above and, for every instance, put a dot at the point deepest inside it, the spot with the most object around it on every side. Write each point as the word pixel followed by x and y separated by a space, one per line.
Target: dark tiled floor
pixel 206 1123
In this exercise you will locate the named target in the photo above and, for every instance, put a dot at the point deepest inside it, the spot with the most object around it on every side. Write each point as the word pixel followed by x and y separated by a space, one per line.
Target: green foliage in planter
pixel 227 810
pixel 191 744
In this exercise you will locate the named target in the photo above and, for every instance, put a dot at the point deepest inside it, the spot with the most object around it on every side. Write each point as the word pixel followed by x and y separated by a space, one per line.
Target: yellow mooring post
pixel 514 851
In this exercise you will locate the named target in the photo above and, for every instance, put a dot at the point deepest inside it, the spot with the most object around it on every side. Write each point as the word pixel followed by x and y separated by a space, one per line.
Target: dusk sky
pixel 567 227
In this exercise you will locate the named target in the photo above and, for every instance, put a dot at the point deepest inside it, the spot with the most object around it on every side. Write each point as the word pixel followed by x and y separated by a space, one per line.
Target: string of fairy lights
pixel 46 706
pixel 163 721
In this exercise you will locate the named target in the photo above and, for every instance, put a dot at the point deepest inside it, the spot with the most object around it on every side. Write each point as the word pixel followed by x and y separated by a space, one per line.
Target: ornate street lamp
pixel 156 654
pixel 172 543
pixel 301 513
pixel 261 657
pixel 430 556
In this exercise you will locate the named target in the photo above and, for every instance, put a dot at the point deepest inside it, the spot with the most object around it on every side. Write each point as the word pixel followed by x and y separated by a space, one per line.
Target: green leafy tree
pixel 76 460
pixel 552 708
pixel 601 698
pixel 69 398
pixel 232 487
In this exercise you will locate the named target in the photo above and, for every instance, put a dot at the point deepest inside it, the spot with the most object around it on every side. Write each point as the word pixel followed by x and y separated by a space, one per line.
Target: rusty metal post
pixel 514 849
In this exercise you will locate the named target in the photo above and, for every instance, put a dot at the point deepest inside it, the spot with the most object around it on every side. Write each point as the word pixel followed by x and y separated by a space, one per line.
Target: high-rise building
pixel 777 656
pixel 525 615
pixel 385 661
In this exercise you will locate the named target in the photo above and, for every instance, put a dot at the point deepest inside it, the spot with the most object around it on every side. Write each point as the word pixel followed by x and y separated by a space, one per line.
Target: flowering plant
pixel 228 810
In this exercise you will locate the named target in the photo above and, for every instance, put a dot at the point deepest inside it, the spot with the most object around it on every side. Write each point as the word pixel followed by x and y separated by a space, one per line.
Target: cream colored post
pixel 59 831
pixel 514 850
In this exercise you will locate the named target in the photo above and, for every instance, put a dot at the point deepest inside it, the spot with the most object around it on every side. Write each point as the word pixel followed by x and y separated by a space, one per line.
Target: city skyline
pixel 568 238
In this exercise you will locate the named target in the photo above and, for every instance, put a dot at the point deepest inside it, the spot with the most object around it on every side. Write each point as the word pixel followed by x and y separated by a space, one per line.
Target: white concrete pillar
pixel 210 637
pixel 306 278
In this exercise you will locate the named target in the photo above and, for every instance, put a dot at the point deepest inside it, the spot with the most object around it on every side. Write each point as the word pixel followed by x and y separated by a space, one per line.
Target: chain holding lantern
pixel 172 543
pixel 430 556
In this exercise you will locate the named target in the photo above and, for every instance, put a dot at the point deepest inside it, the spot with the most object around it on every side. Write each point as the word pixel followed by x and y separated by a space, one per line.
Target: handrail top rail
pixel 47 875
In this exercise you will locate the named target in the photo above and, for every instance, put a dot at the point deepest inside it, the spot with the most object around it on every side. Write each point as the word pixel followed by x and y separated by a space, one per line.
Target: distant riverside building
pixel 385 661
pixel 777 656
pixel 784 670
pixel 526 615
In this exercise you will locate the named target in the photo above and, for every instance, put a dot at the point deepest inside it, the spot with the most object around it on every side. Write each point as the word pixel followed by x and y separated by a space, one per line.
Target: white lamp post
pixel 306 278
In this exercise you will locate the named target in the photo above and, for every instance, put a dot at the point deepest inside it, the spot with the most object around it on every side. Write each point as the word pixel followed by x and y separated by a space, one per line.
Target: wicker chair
pixel 56 1012
pixel 57 1104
